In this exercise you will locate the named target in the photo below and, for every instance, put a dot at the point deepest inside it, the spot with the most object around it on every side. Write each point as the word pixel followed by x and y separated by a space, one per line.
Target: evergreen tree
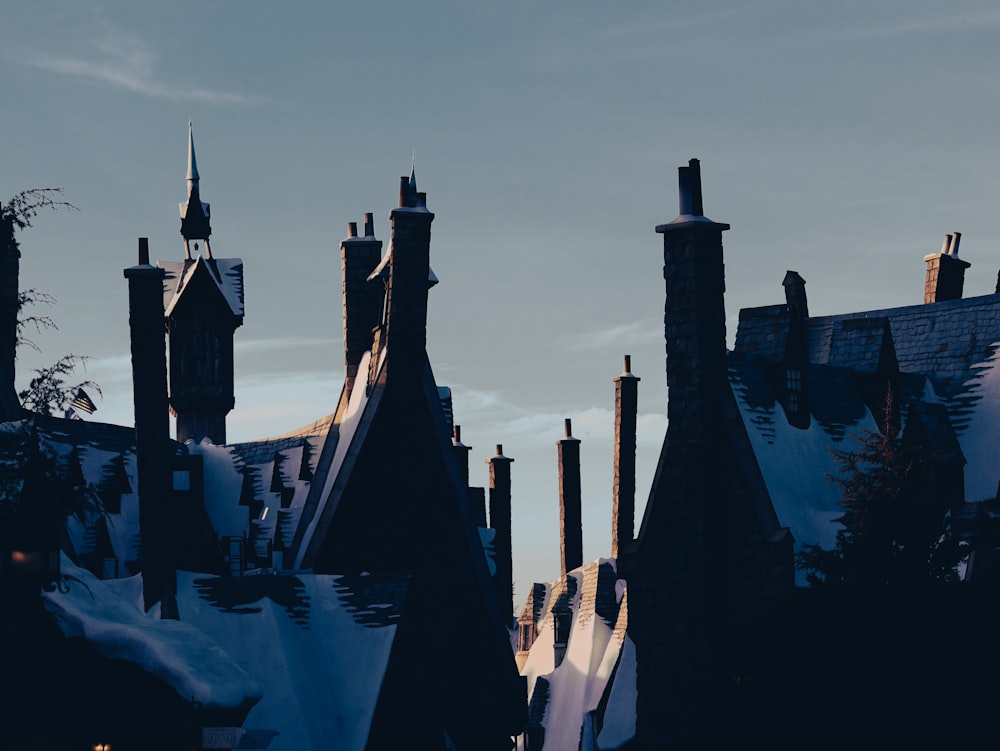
pixel 893 534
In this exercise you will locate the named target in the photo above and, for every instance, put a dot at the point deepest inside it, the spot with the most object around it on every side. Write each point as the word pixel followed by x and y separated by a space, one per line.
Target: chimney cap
pixel 627 374
pixel 568 430
pixel 498 457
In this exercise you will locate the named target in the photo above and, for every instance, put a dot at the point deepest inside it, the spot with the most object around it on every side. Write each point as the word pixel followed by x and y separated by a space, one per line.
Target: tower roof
pixel 195 213
pixel 192 173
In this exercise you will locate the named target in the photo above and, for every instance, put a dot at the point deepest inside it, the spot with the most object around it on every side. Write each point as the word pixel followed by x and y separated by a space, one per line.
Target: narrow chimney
pixel 945 276
pixel 689 185
pixel 461 454
pixel 10 263
pixel 626 412
pixel 795 294
pixel 570 502
pixel 406 297
pixel 362 299
pixel 500 521
pixel 157 524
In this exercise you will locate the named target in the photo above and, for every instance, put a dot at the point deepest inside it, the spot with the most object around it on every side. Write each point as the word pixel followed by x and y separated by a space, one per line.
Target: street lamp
pixel 102 747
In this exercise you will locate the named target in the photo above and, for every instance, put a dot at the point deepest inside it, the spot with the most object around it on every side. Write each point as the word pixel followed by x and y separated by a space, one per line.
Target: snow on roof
pixel 619 715
pixel 227 273
pixel 108 615
pixel 982 434
pixel 291 458
pixel 594 598
pixel 794 463
pixel 319 645
pixel 350 422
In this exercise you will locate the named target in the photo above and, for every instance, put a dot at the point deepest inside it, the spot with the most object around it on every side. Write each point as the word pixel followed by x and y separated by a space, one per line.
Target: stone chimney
pixel 157 525
pixel 10 262
pixel 406 295
pixel 694 312
pixel 500 522
pixel 362 298
pixel 795 295
pixel 475 497
pixel 626 413
pixel 570 502
pixel 945 276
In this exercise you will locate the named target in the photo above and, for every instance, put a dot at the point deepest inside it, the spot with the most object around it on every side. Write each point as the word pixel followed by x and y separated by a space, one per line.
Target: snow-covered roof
pixel 109 616
pixel 947 355
pixel 561 697
pixel 227 273
pixel 318 645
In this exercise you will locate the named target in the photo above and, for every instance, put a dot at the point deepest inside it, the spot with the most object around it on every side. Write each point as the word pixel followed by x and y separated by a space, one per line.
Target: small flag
pixel 83 402
pixel 71 414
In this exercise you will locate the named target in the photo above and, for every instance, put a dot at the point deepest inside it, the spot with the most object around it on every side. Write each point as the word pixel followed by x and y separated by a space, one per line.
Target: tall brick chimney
pixel 10 262
pixel 500 521
pixel 711 555
pixel 157 524
pixel 406 295
pixel 570 502
pixel 362 298
pixel 945 276
pixel 626 413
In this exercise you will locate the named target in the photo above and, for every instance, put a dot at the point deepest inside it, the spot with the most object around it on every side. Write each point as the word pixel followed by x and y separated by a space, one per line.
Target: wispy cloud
pixel 637 332
pixel 486 413
pixel 124 61
pixel 945 23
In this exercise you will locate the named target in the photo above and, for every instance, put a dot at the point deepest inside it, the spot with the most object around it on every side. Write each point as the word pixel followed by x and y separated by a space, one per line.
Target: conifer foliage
pixel 894 534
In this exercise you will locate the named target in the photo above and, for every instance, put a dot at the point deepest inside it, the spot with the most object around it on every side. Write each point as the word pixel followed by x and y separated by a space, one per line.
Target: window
pixel 526 635
pixel 793 385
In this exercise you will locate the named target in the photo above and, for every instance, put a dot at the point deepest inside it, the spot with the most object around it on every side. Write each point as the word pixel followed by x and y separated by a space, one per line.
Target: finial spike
pixel 413 171
pixel 192 173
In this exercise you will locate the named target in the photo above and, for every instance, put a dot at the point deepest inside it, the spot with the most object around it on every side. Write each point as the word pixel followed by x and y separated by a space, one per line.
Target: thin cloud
pixel 637 332
pixel 946 23
pixel 125 62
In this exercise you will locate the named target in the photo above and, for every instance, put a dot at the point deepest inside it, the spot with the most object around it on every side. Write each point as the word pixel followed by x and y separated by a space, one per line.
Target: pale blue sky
pixel 842 140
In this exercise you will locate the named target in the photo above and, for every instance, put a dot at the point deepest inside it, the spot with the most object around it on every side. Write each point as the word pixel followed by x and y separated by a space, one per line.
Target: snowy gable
pixel 319 645
pixel 257 488
pixel 226 273
pixel 575 654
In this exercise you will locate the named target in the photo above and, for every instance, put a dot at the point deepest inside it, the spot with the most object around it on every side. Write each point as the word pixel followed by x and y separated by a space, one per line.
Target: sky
pixel 841 140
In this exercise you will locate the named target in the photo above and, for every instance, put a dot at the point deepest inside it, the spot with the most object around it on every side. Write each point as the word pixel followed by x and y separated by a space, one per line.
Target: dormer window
pixel 562 624
pixel 526 636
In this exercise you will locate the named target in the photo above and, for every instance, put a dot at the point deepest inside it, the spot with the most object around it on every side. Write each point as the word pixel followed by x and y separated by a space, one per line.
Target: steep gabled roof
pixel 562 696
pixel 225 273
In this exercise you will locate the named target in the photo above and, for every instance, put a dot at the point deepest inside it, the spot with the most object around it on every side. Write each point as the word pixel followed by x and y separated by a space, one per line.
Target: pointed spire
pixel 413 171
pixel 195 213
pixel 192 174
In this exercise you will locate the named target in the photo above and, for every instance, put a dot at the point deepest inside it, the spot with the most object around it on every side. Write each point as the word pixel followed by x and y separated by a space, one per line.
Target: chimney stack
pixel 500 521
pixel 406 296
pixel 10 263
pixel 570 502
pixel 626 414
pixel 362 298
pixel 157 524
pixel 945 277
pixel 795 295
